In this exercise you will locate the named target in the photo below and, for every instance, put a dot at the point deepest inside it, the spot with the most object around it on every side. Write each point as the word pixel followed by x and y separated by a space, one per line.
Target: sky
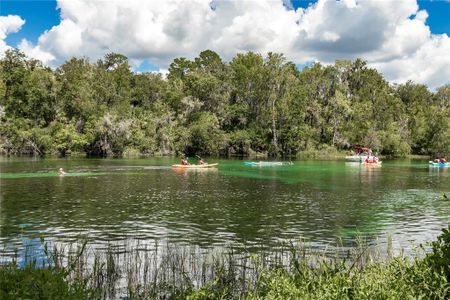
pixel 403 39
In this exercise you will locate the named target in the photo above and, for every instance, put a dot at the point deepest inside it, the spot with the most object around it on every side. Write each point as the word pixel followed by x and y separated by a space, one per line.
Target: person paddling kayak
pixel 200 161
pixel 184 162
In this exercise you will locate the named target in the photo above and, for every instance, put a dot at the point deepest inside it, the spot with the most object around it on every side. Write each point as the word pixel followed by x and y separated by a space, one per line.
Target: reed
pixel 166 271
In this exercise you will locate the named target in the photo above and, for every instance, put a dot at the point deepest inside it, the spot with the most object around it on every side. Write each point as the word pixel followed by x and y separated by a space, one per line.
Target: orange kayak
pixel 195 166
pixel 372 164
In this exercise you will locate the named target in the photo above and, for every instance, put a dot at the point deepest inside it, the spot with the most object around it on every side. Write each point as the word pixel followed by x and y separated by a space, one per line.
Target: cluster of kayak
pixel 254 164
pixel 362 155
pixel 280 163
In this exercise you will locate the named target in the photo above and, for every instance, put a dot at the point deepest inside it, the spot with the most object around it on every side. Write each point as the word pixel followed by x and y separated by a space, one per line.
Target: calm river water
pixel 120 200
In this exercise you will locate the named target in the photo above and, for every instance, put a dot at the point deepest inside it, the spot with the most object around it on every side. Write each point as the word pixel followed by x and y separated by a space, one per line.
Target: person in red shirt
pixel 443 161
pixel 184 162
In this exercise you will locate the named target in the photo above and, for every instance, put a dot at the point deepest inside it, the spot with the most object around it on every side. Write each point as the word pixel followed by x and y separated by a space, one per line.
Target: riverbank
pixel 297 272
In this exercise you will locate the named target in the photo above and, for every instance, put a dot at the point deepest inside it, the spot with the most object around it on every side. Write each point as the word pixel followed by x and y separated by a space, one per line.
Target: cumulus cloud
pixel 392 35
pixel 35 52
pixel 429 64
pixel 8 24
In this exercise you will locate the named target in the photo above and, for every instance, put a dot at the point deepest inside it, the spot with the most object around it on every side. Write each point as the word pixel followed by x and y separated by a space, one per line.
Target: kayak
pixel 372 164
pixel 195 166
pixel 439 164
pixel 266 163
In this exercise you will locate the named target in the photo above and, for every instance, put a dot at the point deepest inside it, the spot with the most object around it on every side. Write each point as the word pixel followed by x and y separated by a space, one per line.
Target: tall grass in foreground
pixel 170 272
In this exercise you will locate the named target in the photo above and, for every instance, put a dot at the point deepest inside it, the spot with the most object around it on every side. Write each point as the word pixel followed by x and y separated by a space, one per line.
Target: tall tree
pixel 75 93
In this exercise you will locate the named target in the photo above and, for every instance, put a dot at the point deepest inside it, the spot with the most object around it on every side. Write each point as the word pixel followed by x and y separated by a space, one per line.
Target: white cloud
pixel 8 24
pixel 429 64
pixel 35 52
pixel 391 35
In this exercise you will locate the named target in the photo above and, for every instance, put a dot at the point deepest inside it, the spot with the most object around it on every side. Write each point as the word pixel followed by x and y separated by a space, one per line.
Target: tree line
pixel 253 104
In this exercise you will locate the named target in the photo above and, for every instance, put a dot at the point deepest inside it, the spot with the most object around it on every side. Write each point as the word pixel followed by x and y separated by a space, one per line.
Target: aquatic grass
pixel 44 278
pixel 294 270
pixel 47 174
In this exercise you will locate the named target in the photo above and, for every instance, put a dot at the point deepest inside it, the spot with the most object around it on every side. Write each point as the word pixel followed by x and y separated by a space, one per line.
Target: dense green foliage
pixel 253 104
pixel 39 283
pixel 179 274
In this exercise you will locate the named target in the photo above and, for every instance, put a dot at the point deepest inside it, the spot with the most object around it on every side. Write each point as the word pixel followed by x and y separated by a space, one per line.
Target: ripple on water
pixel 315 200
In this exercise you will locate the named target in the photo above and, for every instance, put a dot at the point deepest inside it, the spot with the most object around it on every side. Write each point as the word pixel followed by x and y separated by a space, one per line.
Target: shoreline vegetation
pixel 294 271
pixel 252 105
pixel 307 155
pixel 301 156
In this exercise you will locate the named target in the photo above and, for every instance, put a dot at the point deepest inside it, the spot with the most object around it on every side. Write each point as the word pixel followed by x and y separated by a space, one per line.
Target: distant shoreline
pixel 305 155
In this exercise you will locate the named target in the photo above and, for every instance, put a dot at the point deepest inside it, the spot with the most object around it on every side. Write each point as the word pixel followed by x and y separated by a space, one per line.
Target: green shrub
pixel 439 258
pixel 32 282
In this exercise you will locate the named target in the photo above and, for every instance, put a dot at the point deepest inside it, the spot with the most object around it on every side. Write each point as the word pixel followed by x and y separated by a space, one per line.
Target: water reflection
pixel 438 170
pixel 195 172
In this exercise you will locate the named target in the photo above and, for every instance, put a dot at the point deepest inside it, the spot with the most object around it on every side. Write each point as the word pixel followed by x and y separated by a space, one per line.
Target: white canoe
pixel 358 158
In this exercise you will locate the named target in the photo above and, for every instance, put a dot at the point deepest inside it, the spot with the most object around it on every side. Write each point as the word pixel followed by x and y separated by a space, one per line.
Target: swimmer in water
pixel 61 172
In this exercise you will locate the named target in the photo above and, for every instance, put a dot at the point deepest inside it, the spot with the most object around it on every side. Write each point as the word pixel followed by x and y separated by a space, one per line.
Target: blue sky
pixel 391 35
pixel 39 16
pixel 439 15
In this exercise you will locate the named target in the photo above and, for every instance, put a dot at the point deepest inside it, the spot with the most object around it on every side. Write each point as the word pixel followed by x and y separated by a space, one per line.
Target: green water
pixel 124 200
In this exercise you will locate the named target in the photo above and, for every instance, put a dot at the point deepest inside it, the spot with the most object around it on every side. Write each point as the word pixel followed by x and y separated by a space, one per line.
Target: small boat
pixel 372 164
pixel 267 163
pixel 195 166
pixel 361 154
pixel 439 164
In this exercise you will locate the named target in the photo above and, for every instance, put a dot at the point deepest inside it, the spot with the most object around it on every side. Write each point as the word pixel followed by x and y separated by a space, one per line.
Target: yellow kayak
pixel 195 166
